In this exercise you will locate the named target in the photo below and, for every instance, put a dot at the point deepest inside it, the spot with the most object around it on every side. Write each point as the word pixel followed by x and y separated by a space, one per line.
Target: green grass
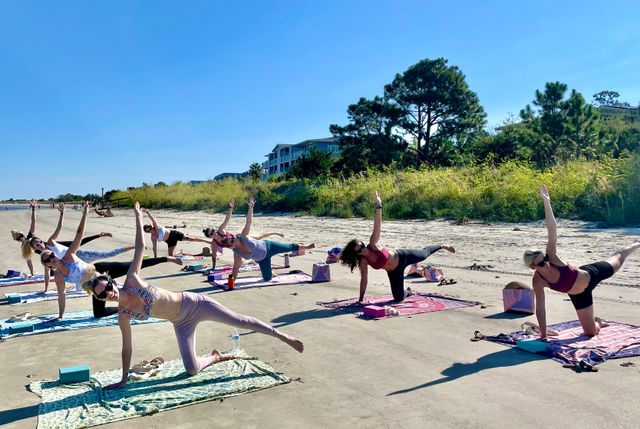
pixel 607 192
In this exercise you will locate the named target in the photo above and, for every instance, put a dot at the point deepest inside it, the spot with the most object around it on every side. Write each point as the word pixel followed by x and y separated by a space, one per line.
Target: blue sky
pixel 115 93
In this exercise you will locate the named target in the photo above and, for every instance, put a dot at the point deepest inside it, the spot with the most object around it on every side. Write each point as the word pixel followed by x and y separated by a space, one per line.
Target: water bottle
pixel 286 260
pixel 231 282
pixel 235 342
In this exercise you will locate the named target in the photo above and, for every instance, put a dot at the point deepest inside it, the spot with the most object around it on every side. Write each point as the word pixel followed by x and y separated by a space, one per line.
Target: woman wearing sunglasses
pixel 70 268
pixel 59 248
pixel 170 236
pixel 578 282
pixel 139 300
pixel 394 262
pixel 258 249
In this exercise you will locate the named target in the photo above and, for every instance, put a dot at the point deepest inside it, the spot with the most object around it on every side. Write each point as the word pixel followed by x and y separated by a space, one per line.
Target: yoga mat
pixel 571 346
pixel 243 269
pixel 414 304
pixel 72 321
pixel 30 297
pixel 251 282
pixel 82 405
pixel 16 281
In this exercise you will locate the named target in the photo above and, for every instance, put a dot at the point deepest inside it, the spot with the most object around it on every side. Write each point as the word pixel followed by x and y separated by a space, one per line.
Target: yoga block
pixel 74 374
pixel 519 300
pixel 214 276
pixel 533 346
pixel 195 267
pixel 14 298
pixel 374 311
pixel 15 328
pixel 321 272
pixel 13 273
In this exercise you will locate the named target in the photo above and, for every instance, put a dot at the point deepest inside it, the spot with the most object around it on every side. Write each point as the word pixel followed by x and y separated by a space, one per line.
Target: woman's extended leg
pixel 94 255
pixel 618 259
pixel 85 240
pixel 273 248
pixel 197 308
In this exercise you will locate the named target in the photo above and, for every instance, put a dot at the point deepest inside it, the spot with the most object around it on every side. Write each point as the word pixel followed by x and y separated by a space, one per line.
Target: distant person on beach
pixel 216 235
pixel 577 282
pixel 170 236
pixel 39 246
pixel 71 269
pixel 258 249
pixel 138 299
pixel 22 239
pixel 104 212
pixel 357 254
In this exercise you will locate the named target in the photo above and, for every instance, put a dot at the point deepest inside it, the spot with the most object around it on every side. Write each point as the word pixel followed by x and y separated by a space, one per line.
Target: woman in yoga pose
pixel 27 242
pixel 38 246
pixel 578 282
pixel 216 235
pixel 139 300
pixel 258 249
pixel 356 253
pixel 170 236
pixel 72 269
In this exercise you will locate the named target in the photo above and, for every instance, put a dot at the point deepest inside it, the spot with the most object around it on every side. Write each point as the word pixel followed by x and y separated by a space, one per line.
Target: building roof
pixel 304 143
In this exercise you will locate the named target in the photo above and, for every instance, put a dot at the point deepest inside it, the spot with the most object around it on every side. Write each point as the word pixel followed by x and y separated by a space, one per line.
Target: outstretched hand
pixel 232 204
pixel 251 201
pixel 137 210
pixel 61 207
pixel 32 204
pixel 378 199
pixel 544 192
pixel 85 207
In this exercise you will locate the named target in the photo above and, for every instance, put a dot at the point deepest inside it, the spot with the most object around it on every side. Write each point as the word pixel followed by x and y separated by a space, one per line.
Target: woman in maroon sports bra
pixel 356 253
pixel 578 282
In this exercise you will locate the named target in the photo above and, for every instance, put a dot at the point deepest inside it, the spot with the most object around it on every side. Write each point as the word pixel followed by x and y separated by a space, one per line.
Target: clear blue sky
pixel 115 93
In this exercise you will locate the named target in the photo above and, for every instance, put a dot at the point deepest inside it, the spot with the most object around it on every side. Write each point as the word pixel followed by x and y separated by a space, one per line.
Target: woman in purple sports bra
pixel 578 282
pixel 394 262
pixel 140 300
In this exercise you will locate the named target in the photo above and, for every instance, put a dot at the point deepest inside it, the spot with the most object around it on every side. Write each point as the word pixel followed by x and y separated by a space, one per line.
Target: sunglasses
pixel 360 248
pixel 35 243
pixel 49 258
pixel 107 288
pixel 545 259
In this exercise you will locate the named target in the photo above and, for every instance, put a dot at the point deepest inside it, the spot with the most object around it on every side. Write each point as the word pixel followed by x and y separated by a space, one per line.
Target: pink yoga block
pixel 519 300
pixel 374 311
pixel 321 272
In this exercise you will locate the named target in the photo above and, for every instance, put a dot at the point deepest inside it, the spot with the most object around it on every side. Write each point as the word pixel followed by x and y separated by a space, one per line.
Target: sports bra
pixel 148 295
pixel 568 276
pixel 162 233
pixel 380 256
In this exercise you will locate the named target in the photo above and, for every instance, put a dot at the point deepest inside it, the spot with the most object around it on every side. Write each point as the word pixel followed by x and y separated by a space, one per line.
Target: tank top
pixel 58 249
pixel 148 295
pixel 258 248
pixel 568 276
pixel 379 257
pixel 162 233
pixel 76 271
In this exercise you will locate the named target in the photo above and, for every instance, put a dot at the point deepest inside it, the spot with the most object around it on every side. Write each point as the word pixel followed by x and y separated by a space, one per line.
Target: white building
pixel 282 156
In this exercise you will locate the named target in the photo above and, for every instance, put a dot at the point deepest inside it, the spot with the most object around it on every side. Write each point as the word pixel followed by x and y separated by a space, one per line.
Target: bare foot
pixel 449 248
pixel 106 234
pixel 174 260
pixel 603 323
pixel 409 292
pixel 218 357
pixel 293 342
pixel 128 248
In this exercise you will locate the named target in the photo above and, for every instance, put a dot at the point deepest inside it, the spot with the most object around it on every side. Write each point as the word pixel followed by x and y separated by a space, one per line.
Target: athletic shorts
pixel 174 237
pixel 598 271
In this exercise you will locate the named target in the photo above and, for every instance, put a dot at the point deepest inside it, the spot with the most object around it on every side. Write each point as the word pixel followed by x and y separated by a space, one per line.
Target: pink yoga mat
pixel 250 282
pixel 414 304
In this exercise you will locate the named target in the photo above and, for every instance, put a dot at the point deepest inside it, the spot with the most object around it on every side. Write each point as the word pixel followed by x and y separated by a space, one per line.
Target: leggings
pixel 407 257
pixel 93 255
pixel 197 308
pixel 82 242
pixel 598 271
pixel 115 270
pixel 273 248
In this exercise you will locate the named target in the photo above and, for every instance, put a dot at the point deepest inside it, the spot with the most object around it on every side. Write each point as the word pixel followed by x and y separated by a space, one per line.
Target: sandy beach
pixel 414 372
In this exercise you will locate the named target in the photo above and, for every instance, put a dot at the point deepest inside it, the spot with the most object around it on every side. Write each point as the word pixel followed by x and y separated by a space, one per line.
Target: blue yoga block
pixel 74 374
pixel 215 276
pixel 195 267
pixel 533 346
pixel 13 273
pixel 14 298
pixel 15 328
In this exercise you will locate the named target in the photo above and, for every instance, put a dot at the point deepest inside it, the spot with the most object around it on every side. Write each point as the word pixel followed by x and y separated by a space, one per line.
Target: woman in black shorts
pixel 170 236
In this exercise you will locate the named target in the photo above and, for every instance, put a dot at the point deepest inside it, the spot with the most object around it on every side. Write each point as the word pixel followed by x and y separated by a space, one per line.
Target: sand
pixel 414 372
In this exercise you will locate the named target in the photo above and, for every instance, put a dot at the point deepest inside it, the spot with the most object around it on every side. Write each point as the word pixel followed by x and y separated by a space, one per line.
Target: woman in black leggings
pixel 356 253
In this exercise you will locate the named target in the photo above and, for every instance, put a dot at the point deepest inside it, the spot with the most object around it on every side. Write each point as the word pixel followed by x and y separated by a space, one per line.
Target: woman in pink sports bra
pixel 578 282
pixel 394 262
pixel 138 299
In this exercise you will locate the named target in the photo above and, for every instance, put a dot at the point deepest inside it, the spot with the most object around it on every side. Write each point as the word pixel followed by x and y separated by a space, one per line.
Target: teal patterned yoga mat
pixel 83 405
